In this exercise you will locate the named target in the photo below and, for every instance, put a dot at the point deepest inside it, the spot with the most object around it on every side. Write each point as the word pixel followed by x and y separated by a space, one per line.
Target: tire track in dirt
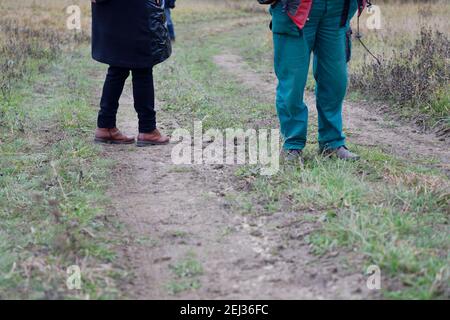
pixel 172 211
pixel 364 126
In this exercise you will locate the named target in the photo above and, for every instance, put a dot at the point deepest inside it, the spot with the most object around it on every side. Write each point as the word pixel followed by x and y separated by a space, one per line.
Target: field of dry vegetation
pixel 414 78
pixel 52 196
pixel 33 32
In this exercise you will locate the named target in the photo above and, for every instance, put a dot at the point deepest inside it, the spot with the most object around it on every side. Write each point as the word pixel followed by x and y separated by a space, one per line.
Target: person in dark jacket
pixel 168 6
pixel 129 36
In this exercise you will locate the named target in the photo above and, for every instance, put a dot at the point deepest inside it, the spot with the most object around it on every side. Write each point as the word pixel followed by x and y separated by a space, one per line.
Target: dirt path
pixel 177 212
pixel 363 126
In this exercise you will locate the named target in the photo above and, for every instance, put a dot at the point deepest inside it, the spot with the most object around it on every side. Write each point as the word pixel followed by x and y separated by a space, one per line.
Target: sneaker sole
pixel 333 156
pixel 324 154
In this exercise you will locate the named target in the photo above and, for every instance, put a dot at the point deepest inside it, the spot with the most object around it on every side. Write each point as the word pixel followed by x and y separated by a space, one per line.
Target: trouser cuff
pixel 332 145
pixel 292 146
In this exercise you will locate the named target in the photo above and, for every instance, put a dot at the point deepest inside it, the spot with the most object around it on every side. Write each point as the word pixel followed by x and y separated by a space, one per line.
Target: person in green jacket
pixel 321 27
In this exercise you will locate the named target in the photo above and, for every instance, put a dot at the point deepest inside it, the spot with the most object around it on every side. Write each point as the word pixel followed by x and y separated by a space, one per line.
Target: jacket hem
pixel 123 64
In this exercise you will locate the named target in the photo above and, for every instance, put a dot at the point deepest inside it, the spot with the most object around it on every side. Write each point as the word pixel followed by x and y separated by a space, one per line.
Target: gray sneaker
pixel 291 156
pixel 341 153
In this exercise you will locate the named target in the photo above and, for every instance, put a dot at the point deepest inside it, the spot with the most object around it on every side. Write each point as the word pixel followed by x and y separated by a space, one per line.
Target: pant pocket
pixel 281 22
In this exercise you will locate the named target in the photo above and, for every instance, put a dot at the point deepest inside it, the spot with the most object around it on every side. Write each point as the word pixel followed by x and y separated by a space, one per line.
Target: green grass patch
pixel 394 214
pixel 186 273
pixel 52 183
pixel 202 90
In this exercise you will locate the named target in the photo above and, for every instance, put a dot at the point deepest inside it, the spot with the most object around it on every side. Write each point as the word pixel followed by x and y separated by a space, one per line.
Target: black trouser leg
pixel 112 90
pixel 144 99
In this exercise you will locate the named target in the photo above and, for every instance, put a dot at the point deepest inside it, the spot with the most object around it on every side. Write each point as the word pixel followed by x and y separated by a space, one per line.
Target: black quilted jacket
pixel 129 33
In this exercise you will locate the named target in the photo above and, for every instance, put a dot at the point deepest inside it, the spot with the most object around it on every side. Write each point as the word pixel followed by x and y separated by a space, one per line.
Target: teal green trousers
pixel 323 36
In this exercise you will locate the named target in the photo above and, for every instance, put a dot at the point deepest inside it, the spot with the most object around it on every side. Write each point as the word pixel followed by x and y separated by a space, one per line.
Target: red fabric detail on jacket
pixel 361 6
pixel 301 16
pixel 302 13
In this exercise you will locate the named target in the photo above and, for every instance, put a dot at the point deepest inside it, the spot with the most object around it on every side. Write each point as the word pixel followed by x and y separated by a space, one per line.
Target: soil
pixel 174 211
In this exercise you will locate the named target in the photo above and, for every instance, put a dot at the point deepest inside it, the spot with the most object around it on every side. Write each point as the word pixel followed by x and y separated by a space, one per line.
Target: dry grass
pixel 415 75
pixel 34 30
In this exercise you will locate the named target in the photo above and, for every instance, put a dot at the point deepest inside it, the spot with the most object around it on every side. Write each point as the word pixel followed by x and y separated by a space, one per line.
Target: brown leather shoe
pixel 151 139
pixel 112 136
